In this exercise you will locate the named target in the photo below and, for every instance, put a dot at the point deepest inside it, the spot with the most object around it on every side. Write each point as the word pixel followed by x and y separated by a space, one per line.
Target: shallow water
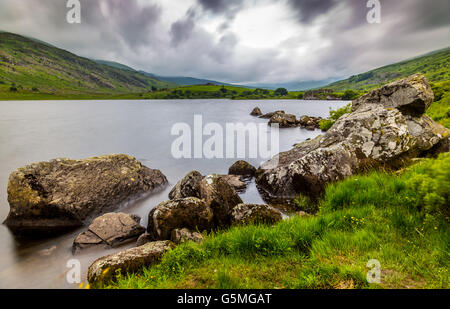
pixel 33 131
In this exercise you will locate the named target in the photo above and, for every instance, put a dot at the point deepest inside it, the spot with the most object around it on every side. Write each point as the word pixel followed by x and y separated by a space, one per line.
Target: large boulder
pixel 372 135
pixel 242 168
pixel 411 96
pixel 254 214
pixel 191 213
pixel 111 229
pixel 62 194
pixel 189 186
pixel 220 197
pixel 106 268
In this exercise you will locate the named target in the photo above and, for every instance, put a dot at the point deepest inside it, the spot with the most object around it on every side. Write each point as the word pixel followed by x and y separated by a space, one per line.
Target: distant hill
pixel 295 85
pixel 115 65
pixel 186 81
pixel 31 65
pixel 434 65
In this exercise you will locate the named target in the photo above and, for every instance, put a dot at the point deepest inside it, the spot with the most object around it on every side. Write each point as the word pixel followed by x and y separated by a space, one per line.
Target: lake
pixel 33 131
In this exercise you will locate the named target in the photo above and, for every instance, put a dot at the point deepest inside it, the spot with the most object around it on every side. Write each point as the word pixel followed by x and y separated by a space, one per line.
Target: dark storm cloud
pixel 331 38
pixel 308 10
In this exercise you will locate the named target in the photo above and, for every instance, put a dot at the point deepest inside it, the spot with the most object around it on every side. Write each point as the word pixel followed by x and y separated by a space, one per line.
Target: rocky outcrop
pixel 320 94
pixel 411 96
pixel 283 120
pixel 254 214
pixel 309 122
pixel 220 197
pixel 256 112
pixel 374 134
pixel 270 115
pixel 112 229
pixel 191 213
pixel 242 168
pixel 180 236
pixel 55 196
pixel 106 268
pixel 189 186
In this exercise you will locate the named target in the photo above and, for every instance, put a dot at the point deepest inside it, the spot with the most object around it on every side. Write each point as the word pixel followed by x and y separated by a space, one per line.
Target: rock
pixel 254 214
pixel 309 123
pixel 105 269
pixel 190 212
pixel 270 115
pixel 180 236
pixel 256 112
pixel 189 186
pixel 143 239
pixel 411 96
pixel 220 197
pixel 242 168
pixel 283 120
pixel 235 182
pixel 56 196
pixel 373 135
pixel 112 229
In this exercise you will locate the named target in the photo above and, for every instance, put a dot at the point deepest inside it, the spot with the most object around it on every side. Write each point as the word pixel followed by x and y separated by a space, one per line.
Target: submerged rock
pixel 189 186
pixel 255 214
pixel 112 229
pixel 372 135
pixel 180 236
pixel 256 112
pixel 106 268
pixel 220 197
pixel 283 120
pixel 270 115
pixel 242 168
pixel 55 196
pixel 191 213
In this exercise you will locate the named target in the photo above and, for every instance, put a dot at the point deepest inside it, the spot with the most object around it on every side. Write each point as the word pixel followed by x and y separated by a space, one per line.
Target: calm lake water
pixel 33 131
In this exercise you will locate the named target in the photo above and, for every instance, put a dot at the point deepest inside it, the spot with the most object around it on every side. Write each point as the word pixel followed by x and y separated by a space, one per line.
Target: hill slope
pixel 28 65
pixel 433 65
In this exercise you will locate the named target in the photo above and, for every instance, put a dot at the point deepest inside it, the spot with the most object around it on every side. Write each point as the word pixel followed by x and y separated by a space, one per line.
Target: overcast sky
pixel 238 41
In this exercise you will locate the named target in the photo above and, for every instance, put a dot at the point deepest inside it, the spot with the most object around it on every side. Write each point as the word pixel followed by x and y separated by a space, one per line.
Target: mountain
pixel 186 81
pixel 31 65
pixel 434 65
pixel 295 85
pixel 114 65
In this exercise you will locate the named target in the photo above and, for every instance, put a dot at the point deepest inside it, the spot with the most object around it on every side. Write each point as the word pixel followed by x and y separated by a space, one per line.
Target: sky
pixel 238 41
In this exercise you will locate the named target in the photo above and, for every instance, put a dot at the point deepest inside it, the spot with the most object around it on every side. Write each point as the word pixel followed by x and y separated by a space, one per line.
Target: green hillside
pixel 435 66
pixel 37 70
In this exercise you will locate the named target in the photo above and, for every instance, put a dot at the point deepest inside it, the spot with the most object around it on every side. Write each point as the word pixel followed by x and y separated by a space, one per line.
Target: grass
pixel 401 220
pixel 433 65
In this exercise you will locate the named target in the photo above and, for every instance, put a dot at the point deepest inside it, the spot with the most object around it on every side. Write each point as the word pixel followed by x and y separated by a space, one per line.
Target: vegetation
pixel 326 124
pixel 433 65
pixel 440 109
pixel 221 92
pixel 28 66
pixel 401 220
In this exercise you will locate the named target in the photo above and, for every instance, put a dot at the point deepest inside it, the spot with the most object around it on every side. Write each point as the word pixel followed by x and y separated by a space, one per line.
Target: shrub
pixel 326 124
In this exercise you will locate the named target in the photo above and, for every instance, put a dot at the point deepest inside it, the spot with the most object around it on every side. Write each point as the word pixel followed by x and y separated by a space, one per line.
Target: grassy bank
pixel 401 220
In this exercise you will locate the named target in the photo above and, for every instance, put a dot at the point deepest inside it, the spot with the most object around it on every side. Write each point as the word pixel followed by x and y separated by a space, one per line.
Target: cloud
pixel 238 40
